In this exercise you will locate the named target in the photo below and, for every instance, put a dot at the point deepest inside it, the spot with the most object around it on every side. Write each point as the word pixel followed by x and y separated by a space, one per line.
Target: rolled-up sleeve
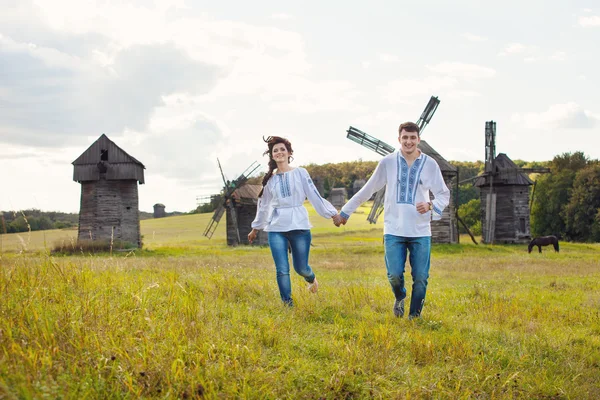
pixel 441 194
pixel 323 207
pixel 262 210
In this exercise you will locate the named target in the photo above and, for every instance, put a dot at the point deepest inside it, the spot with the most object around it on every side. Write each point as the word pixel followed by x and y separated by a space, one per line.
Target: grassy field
pixel 190 317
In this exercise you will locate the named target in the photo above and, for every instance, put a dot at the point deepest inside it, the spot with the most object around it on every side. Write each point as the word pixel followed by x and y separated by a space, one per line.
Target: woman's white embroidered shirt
pixel 281 209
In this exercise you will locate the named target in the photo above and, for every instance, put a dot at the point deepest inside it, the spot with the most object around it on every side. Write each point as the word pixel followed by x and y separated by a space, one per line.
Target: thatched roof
pixel 445 166
pixel 247 192
pixel 506 172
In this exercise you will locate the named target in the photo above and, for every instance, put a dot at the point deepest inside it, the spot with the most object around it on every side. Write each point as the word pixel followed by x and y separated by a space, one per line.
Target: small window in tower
pixel 104 155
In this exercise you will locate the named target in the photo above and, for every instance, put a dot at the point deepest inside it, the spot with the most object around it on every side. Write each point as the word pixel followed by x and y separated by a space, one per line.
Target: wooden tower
pixel 504 191
pixel 109 209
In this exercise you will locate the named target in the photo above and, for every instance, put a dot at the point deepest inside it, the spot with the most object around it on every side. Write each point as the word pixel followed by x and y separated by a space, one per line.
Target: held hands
pixel 252 235
pixel 423 207
pixel 339 220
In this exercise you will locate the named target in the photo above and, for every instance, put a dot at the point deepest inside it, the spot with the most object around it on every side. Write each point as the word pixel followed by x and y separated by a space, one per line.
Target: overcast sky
pixel 178 83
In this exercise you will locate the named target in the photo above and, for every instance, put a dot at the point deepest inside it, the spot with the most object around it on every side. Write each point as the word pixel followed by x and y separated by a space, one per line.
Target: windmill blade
pixel 214 221
pixel 222 174
pixel 427 114
pixel 244 175
pixel 377 208
pixel 368 141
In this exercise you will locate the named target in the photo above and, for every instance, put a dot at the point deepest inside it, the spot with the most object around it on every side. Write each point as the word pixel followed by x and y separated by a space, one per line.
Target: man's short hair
pixel 409 127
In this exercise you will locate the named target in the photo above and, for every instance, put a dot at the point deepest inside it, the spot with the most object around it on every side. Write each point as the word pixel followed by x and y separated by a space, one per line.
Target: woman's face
pixel 280 153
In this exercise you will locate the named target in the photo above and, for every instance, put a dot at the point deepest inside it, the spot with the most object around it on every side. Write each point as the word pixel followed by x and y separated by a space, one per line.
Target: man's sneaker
pixel 313 286
pixel 399 308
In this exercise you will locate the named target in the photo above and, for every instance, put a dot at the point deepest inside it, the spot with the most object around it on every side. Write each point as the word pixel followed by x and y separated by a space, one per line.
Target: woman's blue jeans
pixel 419 249
pixel 299 242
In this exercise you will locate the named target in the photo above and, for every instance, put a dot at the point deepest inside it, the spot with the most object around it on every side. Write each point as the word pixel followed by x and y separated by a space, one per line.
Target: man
pixel 409 175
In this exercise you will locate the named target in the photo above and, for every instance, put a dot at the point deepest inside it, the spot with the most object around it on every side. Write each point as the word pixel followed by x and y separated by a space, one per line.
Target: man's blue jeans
pixel 299 241
pixel 419 249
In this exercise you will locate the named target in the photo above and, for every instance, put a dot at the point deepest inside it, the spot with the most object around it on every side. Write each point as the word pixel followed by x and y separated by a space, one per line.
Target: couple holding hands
pixel 409 176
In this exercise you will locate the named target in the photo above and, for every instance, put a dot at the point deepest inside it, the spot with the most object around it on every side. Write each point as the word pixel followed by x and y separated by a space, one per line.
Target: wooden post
pixel 532 197
pixel 466 227
pixel 490 218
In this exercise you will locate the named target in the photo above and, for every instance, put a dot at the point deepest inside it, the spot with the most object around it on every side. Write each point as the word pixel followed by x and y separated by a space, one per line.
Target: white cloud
pixel 513 48
pixel 473 38
pixel 594 20
pixel 462 70
pixel 399 91
pixel 461 94
pixel 530 59
pixel 559 56
pixel 558 116
pixel 281 16
pixel 388 58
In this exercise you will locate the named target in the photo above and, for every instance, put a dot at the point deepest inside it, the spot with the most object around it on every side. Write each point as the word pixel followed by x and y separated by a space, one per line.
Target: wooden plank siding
pixel 245 215
pixel 445 229
pixel 110 209
pixel 512 214
pixel 114 171
pixel 246 200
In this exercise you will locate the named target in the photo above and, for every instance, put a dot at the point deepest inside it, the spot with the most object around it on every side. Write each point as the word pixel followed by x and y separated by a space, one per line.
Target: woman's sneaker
pixel 314 286
pixel 399 308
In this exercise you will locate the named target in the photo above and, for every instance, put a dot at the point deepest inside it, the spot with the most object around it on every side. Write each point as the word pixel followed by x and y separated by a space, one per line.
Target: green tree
pixel 581 213
pixel 18 225
pixel 470 213
pixel 552 194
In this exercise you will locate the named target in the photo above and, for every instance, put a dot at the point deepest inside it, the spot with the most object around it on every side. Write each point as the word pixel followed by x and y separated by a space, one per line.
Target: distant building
pixel 109 209
pixel 357 185
pixel 337 197
pixel 159 210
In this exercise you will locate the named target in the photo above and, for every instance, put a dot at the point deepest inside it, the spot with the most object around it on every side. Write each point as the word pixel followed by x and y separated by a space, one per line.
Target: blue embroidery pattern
pixel 284 185
pixel 409 179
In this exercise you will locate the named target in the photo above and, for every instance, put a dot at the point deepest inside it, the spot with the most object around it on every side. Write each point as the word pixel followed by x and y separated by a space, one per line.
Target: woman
pixel 280 213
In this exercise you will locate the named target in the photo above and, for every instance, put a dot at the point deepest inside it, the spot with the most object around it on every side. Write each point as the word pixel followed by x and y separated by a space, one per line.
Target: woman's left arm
pixel 322 206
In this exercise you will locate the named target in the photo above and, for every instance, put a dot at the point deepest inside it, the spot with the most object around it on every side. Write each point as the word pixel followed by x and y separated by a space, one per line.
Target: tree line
pixel 35 220
pixel 566 202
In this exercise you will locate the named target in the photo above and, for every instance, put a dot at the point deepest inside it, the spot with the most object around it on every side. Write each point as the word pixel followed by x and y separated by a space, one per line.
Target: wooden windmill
pixel 444 230
pixel 109 210
pixel 504 193
pixel 239 202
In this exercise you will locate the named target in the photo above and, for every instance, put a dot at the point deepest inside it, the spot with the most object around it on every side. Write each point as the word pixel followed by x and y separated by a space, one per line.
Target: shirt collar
pixel 421 154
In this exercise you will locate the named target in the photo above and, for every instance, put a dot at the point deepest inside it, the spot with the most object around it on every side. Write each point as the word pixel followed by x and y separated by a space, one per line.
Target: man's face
pixel 409 141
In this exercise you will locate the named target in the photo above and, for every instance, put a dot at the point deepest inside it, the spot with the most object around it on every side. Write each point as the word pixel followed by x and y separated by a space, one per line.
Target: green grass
pixel 189 317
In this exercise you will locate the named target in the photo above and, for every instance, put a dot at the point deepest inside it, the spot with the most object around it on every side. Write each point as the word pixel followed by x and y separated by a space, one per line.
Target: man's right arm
pixel 375 183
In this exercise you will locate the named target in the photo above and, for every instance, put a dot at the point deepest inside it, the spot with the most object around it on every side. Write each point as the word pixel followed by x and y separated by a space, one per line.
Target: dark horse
pixel 543 241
